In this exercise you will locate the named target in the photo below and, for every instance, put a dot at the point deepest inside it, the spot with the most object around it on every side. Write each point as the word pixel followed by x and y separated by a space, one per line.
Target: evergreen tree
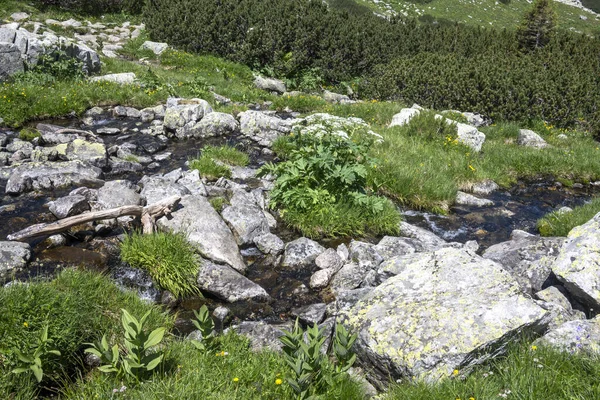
pixel 538 26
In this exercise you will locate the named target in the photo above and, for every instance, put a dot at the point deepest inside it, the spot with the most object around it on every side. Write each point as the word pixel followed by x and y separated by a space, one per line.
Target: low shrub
pixel 96 7
pixel 169 259
pixel 28 134
pixel 560 223
pixel 75 308
pixel 322 186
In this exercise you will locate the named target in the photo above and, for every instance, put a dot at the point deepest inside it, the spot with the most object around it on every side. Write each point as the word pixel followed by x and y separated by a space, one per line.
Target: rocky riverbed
pixel 449 292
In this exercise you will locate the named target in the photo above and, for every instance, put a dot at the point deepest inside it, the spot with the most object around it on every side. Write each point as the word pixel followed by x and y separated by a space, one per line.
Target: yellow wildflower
pixel 236 379
pixel 25 324
pixel 534 348
pixel 278 381
pixel 455 372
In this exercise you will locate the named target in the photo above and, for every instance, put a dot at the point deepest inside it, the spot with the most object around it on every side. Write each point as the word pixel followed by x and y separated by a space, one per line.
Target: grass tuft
pixel 168 257
pixel 214 161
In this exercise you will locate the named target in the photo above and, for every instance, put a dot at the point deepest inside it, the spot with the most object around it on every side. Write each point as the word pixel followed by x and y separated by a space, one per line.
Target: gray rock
pixel 346 299
pixel 529 138
pixel 205 230
pixel 117 194
pixel 391 246
pixel 456 312
pixel 263 128
pixel 574 337
pixel 269 243
pixel 343 252
pixel 321 278
pixel 261 335
pixel 228 284
pixel 246 222
pixel 192 182
pixel 137 279
pixel 477 120
pixel 329 259
pixel 19 16
pixel 108 131
pixel 272 85
pixel 89 194
pixel 311 314
pixel 243 173
pixel 156 47
pixel 119 166
pixel 427 240
pixel 365 255
pixel 469 136
pixel 553 295
pixel 147 114
pixel 123 78
pixel 578 263
pixel 466 199
pixel 68 206
pixel 337 98
pixel 527 257
pixel 181 115
pixel 13 256
pixel 10 60
pixel 157 188
pixel 301 253
pixel 93 153
pixel 397 265
pixel 221 99
pixel 350 276
pixel 215 124
pixel 48 176
pixel 485 187
pixel 404 116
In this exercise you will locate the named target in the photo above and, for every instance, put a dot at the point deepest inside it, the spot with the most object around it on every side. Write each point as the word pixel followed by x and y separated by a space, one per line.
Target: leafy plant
pixel 311 368
pixel 342 344
pixel 32 359
pixel 139 358
pixel 325 173
pixel 59 65
pixel 206 326
pixel 168 257
pixel 28 134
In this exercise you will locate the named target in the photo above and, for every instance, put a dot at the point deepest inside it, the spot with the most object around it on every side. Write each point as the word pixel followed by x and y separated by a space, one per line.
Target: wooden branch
pixel 148 214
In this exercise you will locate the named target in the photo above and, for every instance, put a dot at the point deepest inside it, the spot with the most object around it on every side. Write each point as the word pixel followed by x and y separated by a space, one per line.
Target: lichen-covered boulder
pixel 301 253
pixel 578 263
pixel 455 311
pixel 270 84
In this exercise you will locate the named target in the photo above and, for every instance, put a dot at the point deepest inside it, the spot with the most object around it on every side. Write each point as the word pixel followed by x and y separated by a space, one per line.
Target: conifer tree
pixel 537 27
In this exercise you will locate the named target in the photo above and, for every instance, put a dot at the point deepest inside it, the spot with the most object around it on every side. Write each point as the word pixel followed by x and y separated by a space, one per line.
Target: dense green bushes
pixel 439 66
pixel 95 7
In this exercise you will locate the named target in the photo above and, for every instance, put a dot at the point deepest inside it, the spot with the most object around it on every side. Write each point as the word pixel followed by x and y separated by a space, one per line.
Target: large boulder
pixel 527 257
pixel 93 153
pixel 13 256
pixel 49 176
pixel 578 263
pixel 454 311
pixel 10 60
pixel 469 136
pixel 205 230
pixel 270 84
pixel 263 128
pixel 156 47
pixel 157 188
pixel 228 284
pixel 423 239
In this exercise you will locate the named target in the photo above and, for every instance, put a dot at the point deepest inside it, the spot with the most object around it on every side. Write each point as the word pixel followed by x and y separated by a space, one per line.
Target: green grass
pixel 168 257
pixel 191 374
pixel 78 307
pixel 28 134
pixel 218 203
pixel 484 12
pixel 344 220
pixel 528 374
pixel 214 161
pixel 561 223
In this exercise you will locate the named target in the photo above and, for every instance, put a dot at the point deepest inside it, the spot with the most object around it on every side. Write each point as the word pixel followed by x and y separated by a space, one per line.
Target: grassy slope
pixel 484 12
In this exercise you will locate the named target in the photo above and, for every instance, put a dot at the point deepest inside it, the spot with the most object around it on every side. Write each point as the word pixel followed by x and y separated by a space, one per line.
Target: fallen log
pixel 148 214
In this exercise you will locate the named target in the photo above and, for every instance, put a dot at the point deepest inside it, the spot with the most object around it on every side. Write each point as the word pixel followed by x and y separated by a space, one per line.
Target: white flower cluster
pixel 321 123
